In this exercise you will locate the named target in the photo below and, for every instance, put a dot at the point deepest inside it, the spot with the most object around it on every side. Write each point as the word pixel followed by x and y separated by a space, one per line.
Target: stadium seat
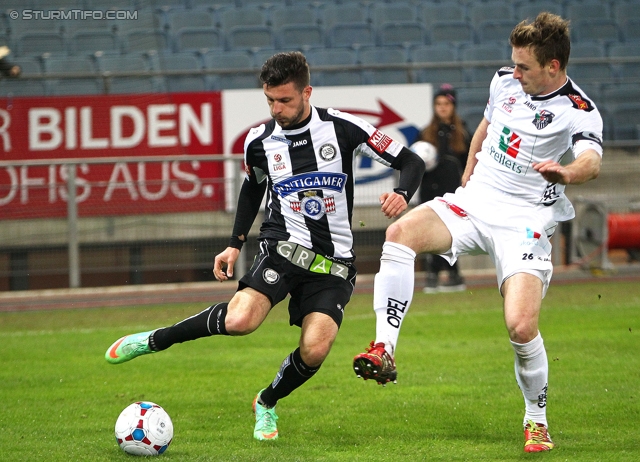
pixel 88 42
pixel 392 12
pixel 454 32
pixel 231 18
pixel 70 65
pixel 578 10
pixel 626 70
pixel 129 85
pixel 433 54
pixel 601 30
pixel 352 35
pixel 404 33
pixel 480 12
pixel 123 63
pixel 300 37
pixel 472 116
pixel 428 13
pixel 346 13
pixel 144 40
pixel 625 11
pixel 250 38
pixel 631 30
pixel 197 17
pixel 620 92
pixel 184 61
pixel 497 56
pixel 147 18
pixel 380 56
pixel 588 72
pixel 496 31
pixel 472 97
pixel 246 77
pixel 19 87
pixel 334 57
pixel 37 43
pixel 625 121
pixel 530 10
pixel 197 38
pixel 67 87
pixel 289 15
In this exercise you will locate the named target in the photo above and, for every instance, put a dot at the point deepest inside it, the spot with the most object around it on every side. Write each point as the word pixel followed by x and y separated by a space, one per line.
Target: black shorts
pixel 275 276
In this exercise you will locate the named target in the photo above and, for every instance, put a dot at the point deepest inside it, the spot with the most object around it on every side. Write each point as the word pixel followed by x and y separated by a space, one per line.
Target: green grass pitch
pixel 456 397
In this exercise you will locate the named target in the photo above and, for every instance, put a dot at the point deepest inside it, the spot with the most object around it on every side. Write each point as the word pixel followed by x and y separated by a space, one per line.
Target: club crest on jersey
pixel 327 151
pixel 542 119
pixel 314 207
pixel 579 103
pixel 311 181
pixel 270 276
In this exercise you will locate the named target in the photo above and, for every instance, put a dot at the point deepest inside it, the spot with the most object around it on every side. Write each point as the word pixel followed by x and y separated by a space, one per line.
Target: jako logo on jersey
pixel 283 140
pixel 510 142
pixel 543 119
pixel 310 181
pixel 299 143
pixel 379 141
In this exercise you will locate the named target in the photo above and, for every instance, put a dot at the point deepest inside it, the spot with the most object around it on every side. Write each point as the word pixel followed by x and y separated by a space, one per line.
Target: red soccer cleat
pixel 376 363
pixel 536 438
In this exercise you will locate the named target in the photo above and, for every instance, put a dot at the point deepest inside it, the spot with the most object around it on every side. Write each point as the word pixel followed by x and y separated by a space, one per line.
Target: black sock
pixel 204 324
pixel 292 374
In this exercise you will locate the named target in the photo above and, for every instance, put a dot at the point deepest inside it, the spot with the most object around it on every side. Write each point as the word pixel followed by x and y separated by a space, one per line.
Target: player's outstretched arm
pixel 586 167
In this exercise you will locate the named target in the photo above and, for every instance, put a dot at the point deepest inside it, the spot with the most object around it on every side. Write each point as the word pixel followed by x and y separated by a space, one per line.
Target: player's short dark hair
pixel 547 36
pixel 283 68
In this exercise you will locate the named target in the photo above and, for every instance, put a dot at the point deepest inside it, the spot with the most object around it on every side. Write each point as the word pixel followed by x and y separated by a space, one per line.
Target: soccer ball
pixel 427 152
pixel 144 429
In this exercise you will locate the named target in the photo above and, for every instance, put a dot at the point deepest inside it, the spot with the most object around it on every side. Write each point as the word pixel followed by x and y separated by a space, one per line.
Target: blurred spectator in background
pixel 7 68
pixel 448 133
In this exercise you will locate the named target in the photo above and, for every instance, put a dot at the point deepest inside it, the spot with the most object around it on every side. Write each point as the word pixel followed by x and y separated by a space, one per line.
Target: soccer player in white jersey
pixel 304 160
pixel 512 197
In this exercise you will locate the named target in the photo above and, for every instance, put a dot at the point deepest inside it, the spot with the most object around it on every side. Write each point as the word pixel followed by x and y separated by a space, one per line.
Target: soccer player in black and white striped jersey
pixel 304 160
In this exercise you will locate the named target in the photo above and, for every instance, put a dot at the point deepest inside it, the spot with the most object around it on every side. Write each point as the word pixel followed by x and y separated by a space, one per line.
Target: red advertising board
pixel 86 127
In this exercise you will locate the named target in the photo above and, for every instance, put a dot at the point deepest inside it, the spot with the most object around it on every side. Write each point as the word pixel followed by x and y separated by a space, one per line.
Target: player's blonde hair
pixel 547 36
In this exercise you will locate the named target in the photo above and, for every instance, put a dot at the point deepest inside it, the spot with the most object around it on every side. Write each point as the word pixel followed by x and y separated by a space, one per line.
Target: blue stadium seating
pixel 352 35
pixel 300 37
pixel 432 54
pixel 334 57
pixel 453 32
pixel 237 60
pixel 530 10
pixel 198 38
pixel 386 55
pixel 90 41
pixel 404 33
pixel 392 12
pixel 428 13
pixel 346 13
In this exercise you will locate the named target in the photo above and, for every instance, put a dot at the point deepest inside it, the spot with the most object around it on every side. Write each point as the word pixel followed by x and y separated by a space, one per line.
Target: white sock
pixel 532 374
pixel 392 292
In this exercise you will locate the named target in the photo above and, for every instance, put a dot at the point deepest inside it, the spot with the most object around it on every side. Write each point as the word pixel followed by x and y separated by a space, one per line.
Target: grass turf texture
pixel 456 397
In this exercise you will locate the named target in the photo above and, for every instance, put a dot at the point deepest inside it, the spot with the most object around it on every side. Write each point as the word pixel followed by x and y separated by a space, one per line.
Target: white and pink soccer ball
pixel 144 429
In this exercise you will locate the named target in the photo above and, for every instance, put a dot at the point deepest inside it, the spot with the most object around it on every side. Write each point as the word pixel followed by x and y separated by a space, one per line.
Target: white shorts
pixel 515 234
